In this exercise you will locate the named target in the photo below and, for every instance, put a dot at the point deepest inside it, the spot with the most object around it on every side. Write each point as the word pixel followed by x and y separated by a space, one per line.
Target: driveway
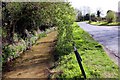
pixel 105 35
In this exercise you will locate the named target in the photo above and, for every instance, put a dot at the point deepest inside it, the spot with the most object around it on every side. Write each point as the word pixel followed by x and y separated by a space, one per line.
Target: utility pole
pixel 89 12
pixel 84 13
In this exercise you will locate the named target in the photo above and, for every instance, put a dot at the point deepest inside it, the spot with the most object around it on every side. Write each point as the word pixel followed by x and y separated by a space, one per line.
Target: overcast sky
pixel 94 5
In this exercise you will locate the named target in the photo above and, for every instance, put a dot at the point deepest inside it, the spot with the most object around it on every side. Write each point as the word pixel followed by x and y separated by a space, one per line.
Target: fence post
pixel 79 59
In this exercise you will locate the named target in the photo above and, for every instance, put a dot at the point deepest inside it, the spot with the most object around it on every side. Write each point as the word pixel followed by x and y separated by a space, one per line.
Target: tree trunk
pixel 11 31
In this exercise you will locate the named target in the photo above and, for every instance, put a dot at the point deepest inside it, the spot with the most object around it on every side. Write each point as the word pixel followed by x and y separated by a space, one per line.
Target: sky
pixel 95 5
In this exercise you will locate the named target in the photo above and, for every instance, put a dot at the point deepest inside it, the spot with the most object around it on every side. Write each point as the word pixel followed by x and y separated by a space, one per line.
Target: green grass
pixel 95 61
pixel 102 23
pixel 83 21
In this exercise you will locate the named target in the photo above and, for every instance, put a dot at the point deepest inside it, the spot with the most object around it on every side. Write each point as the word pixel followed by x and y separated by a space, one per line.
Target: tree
pixel 98 13
pixel 111 16
pixel 87 16
pixel 20 17
pixel 79 15
pixel 93 17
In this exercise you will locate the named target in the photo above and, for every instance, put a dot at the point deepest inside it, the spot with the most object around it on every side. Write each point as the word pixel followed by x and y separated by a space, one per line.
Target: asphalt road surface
pixel 107 36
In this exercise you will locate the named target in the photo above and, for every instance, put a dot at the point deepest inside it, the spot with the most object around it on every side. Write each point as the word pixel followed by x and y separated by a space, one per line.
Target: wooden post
pixel 79 59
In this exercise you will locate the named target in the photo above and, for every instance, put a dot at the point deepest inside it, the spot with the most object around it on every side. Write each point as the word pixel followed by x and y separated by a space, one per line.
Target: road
pixel 105 35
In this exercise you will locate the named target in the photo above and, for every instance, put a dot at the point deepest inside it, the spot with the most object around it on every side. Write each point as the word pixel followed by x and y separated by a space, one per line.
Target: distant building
pixel 118 16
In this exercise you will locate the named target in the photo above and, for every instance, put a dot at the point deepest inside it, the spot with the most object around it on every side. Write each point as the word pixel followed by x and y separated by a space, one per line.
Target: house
pixel 118 16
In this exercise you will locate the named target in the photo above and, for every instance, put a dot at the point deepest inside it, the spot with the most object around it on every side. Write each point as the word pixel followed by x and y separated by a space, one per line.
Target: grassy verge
pixel 101 23
pixel 95 61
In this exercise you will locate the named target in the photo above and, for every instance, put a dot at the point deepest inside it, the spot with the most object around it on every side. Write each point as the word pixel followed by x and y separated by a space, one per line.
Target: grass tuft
pixel 102 23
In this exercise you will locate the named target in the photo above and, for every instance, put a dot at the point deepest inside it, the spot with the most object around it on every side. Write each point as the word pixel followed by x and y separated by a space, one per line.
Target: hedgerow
pixel 20 20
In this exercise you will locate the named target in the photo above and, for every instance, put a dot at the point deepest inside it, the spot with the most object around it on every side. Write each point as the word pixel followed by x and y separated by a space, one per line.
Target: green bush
pixel 111 16
pixel 43 34
pixel 12 51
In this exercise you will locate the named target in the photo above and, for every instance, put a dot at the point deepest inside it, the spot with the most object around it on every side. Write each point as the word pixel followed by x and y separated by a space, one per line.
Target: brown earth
pixel 34 63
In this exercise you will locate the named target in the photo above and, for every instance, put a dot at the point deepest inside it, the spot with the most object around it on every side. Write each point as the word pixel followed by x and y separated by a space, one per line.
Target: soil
pixel 34 63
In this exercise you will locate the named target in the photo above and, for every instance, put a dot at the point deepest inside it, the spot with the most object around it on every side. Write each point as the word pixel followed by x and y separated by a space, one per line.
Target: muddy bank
pixel 34 63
